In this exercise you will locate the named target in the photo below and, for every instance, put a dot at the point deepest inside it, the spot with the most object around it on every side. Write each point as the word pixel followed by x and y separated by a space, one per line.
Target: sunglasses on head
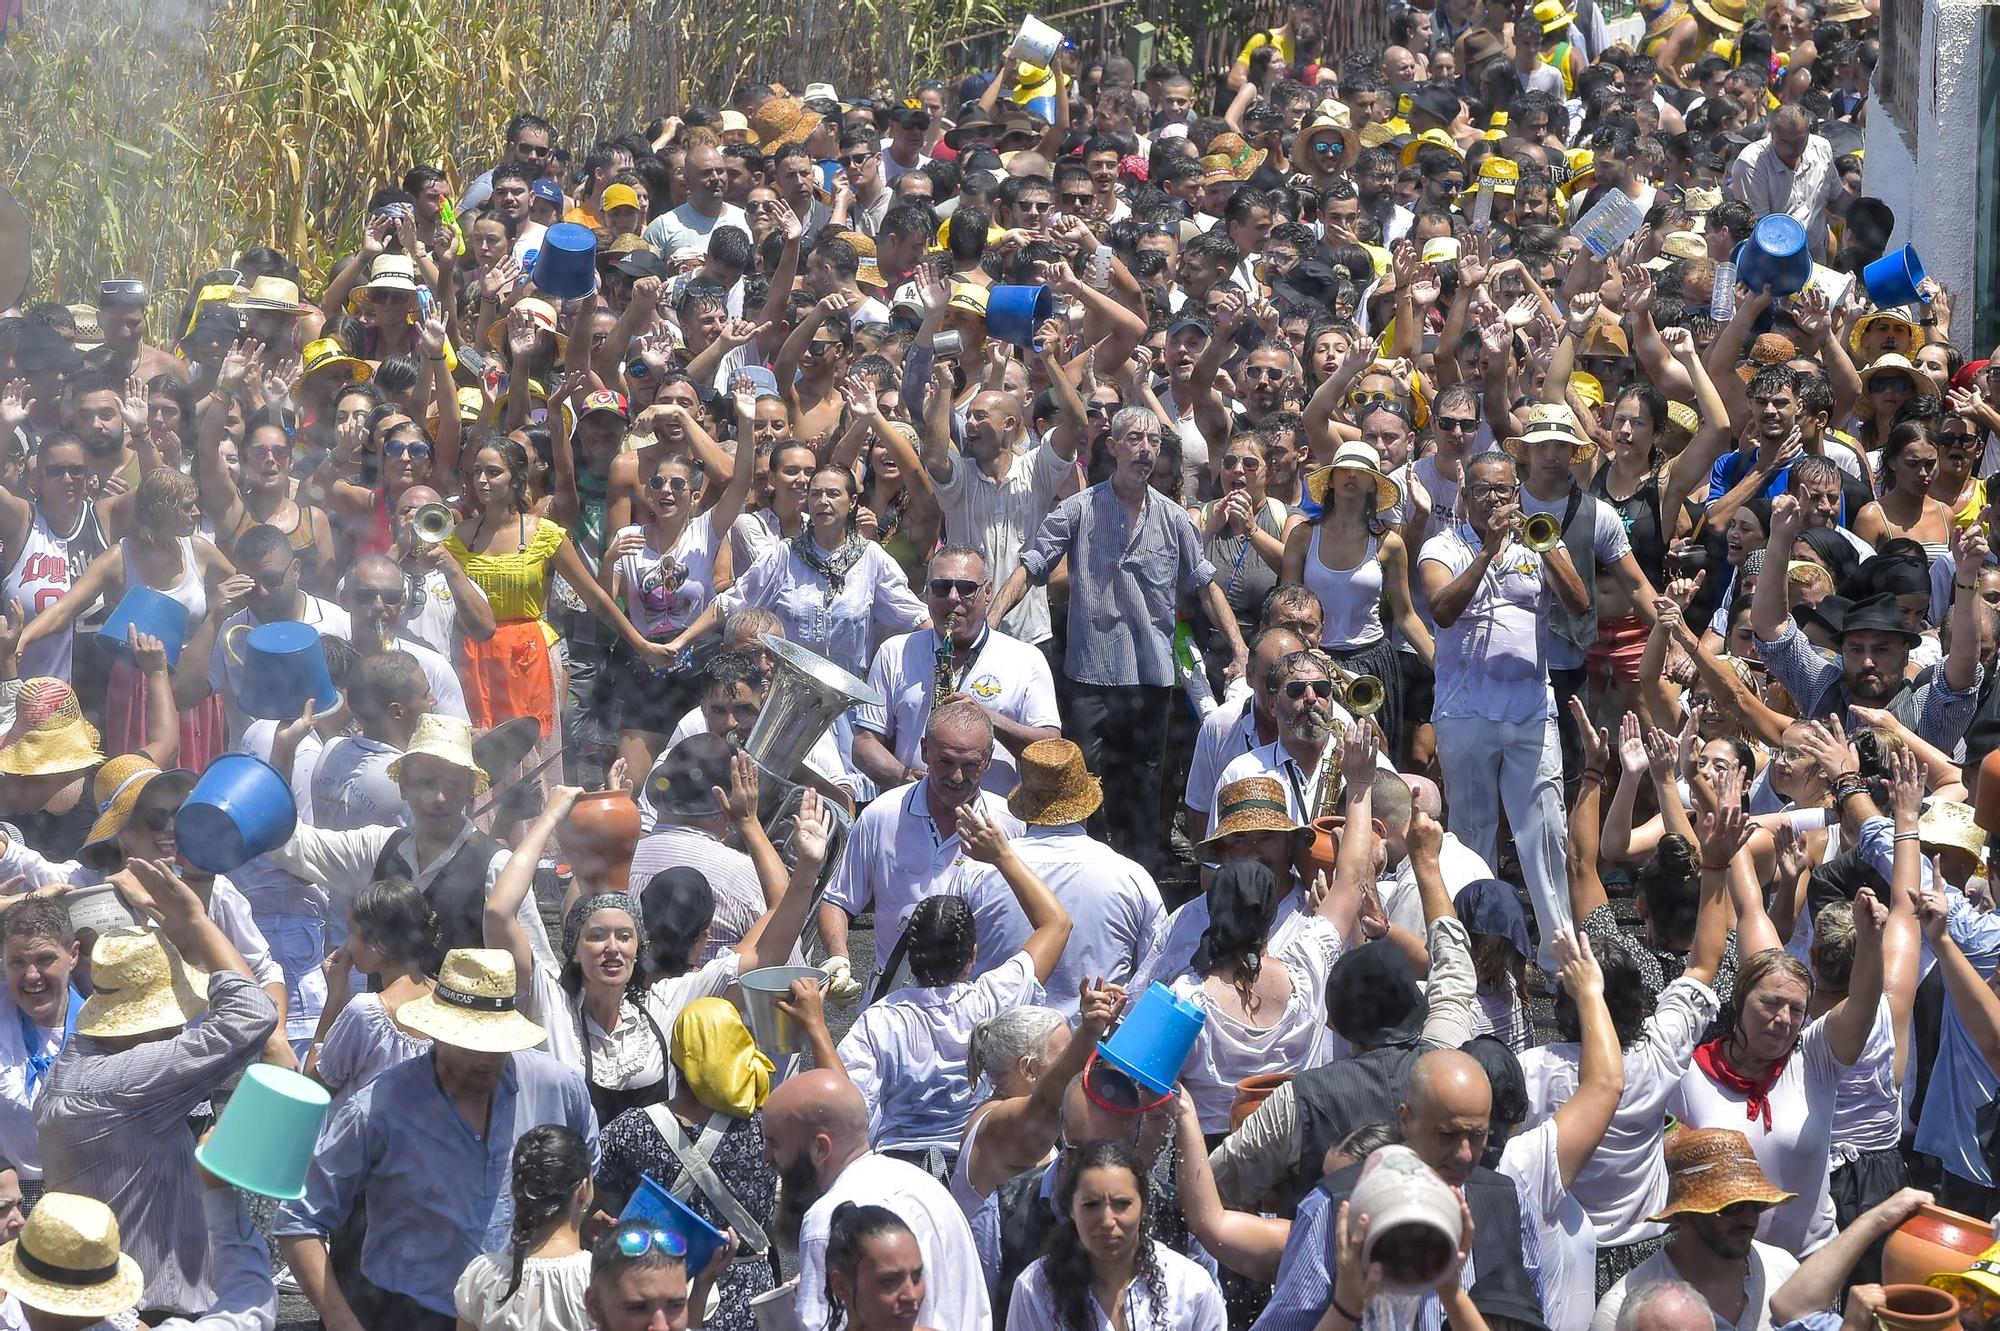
pixel 1296 688
pixel 964 588
pixel 396 448
pixel 635 1241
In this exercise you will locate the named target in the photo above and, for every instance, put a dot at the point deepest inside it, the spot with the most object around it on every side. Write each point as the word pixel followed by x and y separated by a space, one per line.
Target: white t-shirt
pixel 1194 1301
pixel 954 1281
pixel 431 617
pixel 822 759
pixel 1227 733
pixel 351 786
pixel 997 518
pixel 1769 1269
pixel 1303 788
pixel 686 229
pixel 1608 542
pixel 446 691
pixel 225 677
pixel 1568 1242
pixel 665 591
pixel 1458 864
pixel 1006 675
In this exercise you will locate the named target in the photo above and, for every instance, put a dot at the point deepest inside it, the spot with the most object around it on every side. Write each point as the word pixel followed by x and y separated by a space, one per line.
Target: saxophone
pixel 1330 784
pixel 943 685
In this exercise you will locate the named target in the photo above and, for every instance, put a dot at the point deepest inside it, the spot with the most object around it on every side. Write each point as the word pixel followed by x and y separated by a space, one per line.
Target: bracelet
pixel 1716 868
pixel 1909 836
pixel 1351 1318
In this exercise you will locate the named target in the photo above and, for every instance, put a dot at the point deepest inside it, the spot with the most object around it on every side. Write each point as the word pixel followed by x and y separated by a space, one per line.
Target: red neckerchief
pixel 1713 1059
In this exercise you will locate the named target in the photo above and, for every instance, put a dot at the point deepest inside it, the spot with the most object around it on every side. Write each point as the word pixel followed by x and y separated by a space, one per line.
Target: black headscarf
pixel 676 905
pixel 1242 898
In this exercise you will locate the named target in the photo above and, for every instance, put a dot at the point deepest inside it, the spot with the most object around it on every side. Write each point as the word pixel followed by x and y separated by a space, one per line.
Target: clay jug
pixel 1254 1091
pixel 1933 1240
pixel 1916 1308
pixel 1318 857
pixel 598 838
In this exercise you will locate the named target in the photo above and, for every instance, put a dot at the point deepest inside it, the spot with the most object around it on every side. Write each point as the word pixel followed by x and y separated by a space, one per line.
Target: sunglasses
pixel 71 473
pixel 386 595
pixel 634 1241
pixel 670 484
pixel 823 348
pixel 963 588
pixel 1263 372
pixel 858 159
pixel 1078 200
pixel 1360 399
pixel 122 288
pixel 270 453
pixel 1321 688
pixel 156 819
pixel 397 448
pixel 270 581
pixel 1457 424
pixel 1324 149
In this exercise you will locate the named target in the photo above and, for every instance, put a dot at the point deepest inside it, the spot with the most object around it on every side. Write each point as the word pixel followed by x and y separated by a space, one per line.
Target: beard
pixel 798 1189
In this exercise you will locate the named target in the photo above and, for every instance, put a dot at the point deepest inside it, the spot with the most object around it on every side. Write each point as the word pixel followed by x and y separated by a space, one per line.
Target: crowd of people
pixel 1519 695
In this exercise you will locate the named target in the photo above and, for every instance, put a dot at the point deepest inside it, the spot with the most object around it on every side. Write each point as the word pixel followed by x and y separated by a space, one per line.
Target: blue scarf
pixel 31 1040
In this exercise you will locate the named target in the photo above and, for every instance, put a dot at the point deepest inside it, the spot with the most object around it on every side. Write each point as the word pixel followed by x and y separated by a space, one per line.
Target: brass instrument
pixel 944 673
pixel 807 693
pixel 1331 788
pixel 1541 532
pixel 432 523
pixel 1362 695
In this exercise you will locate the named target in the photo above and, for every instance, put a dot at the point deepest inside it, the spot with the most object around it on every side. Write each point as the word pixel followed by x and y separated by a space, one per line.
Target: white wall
pixel 1936 194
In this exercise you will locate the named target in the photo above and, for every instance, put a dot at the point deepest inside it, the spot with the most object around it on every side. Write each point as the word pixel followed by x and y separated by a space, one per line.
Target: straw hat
pixel 392 272
pixel 1355 455
pixel 1331 117
pixel 1056 788
pixel 1949 823
pixel 67 1260
pixel 782 121
pixel 1724 14
pixel 1550 422
pixel 1701 201
pixel 1431 138
pixel 1230 157
pixel 472 1006
pixel 117 787
pixel 50 735
pixel 275 294
pixel 1710 1169
pixel 1678 245
pixel 444 737
pixel 1920 383
pixel 1683 417
pixel 89 334
pixel 1253 804
pixel 1910 328
pixel 1664 20
pixel 140 983
pixel 325 353
pixel 1846 11
pixel 1605 338
pixel 539 313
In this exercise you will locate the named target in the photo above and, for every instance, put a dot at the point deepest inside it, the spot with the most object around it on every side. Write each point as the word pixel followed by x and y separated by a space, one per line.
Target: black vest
pixel 1502 1284
pixel 1579 537
pixel 457 892
pixel 1336 1098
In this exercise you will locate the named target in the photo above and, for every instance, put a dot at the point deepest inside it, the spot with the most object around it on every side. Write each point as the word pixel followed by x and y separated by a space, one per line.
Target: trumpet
pixel 1361 695
pixel 432 523
pixel 1541 532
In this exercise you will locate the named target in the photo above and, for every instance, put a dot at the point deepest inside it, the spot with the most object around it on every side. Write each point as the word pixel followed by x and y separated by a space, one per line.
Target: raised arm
pixel 501 923
pixel 769 941
pixel 982 839
pixel 1582 1122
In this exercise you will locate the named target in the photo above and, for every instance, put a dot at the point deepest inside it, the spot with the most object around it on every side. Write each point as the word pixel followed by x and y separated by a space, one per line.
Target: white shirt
pixel 447 694
pixel 1303 787
pixel 954 1281
pixel 628 1056
pixel 1769 1268
pixel 874 601
pixel 896 856
pixel 431 617
pixel 1794 1149
pixel 1761 179
pixel 1493 661
pixel 1608 543
pixel 822 759
pixel 351 786
pixel 686 228
pixel 1194 1301
pixel 225 677
pixel 1116 916
pixel 1568 1241
pixel 1290 931
pixel 998 517
pixel 1006 675
pixel 1228 732
pixel 1625 1179
pixel 1458 864
pixel 907 1053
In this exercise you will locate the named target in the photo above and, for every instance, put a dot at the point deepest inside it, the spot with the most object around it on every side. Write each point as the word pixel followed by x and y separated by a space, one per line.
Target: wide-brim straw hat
pixel 783 121
pixel 276 295
pixel 1253 804
pixel 140 983
pixel 1950 823
pixel 117 787
pixel 1712 1169
pixel 1846 11
pixel 1921 384
pixel 1056 788
pixel 473 1005
pixel 1724 14
pixel 50 736
pixel 1550 422
pixel 1239 161
pixel 444 737
pixel 541 314
pixel 1874 317
pixel 67 1260
pixel 392 272
pixel 1355 456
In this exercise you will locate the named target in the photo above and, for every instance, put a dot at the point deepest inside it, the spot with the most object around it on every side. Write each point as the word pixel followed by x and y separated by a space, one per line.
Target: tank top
pixel 188 590
pixel 1350 599
pixel 49 563
pixel 300 537
pixel 1645 525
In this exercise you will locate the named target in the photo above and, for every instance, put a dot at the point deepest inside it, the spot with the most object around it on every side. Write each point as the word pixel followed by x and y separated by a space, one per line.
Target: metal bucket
pixel 775 1033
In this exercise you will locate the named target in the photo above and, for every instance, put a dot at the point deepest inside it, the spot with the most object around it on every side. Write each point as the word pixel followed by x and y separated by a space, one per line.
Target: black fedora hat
pixel 1877 614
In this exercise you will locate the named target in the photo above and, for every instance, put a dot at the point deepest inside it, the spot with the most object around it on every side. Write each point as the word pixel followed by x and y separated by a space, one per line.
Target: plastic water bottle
pixel 1190 673
pixel 1722 301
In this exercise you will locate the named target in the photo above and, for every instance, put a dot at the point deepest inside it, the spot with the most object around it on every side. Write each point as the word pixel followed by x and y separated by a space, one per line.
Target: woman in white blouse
pixel 392 937
pixel 1100 1258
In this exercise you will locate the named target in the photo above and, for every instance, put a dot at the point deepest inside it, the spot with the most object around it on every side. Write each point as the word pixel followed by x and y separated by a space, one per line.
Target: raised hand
pixel 132 407
pixel 15 404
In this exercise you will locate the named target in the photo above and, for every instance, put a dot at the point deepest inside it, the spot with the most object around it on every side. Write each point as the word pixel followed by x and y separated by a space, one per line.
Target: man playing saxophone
pixel 1310 704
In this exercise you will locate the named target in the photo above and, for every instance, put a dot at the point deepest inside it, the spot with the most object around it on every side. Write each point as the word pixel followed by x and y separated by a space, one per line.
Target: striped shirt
pixel 739 895
pixel 997 518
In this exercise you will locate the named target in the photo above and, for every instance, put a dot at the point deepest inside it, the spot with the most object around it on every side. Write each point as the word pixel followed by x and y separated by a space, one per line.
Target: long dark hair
pixel 549 1162
pixel 1066 1262
pixel 849 1231
pixel 399 922
pixel 518 467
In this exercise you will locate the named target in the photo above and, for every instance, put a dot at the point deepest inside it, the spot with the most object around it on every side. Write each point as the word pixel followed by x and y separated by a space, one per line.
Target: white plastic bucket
pixel 1036 42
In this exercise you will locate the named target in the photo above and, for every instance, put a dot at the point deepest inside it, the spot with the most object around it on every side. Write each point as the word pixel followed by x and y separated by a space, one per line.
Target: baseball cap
pixel 620 196
pixel 547 189
pixel 641 263
pixel 605 399
pixel 1187 321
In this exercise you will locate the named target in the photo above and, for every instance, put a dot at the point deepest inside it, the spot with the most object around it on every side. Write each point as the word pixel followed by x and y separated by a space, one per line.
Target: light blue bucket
pixel 151 612
pixel 1152 1044
pixel 263 1143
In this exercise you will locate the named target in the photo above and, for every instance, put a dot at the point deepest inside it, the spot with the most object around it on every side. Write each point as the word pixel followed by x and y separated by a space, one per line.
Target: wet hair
pixel 941 939
pixel 550 1161
pixel 1833 944
pixel 260 543
pixel 848 1232
pixel 1752 971
pixel 1670 885
pixel 163 495
pixel 1367 1139
pixel 1066 1262
pixel 609 1260
pixel 1625 994
pixel 37 917
pixel 1003 1040
pixel 398 921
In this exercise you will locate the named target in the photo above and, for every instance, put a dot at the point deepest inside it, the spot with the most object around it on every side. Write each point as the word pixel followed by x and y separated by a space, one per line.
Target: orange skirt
pixel 509 675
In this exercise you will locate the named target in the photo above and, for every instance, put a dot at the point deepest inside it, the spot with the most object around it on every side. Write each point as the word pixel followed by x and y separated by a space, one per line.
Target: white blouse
pixel 364 1041
pixel 875 602
pixel 550 1297
pixel 1194 1301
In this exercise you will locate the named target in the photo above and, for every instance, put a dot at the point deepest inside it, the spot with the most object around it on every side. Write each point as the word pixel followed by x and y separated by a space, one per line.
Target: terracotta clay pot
pixel 1916 1308
pixel 598 838
pixel 1932 1241
pixel 1254 1091
pixel 1318 858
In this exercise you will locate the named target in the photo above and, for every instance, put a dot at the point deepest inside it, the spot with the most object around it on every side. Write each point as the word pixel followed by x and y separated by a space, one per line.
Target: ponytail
pixel 550 1162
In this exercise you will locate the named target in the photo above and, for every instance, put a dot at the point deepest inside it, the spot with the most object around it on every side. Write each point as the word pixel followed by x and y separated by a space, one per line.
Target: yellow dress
pixel 510 674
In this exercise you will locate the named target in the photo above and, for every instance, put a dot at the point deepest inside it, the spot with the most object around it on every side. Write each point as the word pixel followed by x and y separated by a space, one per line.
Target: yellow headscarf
pixel 713 1050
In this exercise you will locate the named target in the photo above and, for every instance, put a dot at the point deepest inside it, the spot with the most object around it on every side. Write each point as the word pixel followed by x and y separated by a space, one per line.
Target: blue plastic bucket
pixel 1776 255
pixel 1014 313
pixel 1152 1044
pixel 280 665
pixel 240 809
pixel 1892 279
pixel 566 266
pixel 150 612
pixel 653 1205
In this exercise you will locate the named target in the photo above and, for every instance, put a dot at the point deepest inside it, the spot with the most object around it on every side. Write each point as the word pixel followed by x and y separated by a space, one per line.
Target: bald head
pixel 819 1116
pixel 1424 795
pixel 1446 1113
pixel 1665 1305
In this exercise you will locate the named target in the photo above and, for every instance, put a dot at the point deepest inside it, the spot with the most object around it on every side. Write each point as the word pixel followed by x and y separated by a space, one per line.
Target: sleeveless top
pixel 1350 598
pixel 1644 519
pixel 516 582
pixel 48 564
pixel 300 538
pixel 189 590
